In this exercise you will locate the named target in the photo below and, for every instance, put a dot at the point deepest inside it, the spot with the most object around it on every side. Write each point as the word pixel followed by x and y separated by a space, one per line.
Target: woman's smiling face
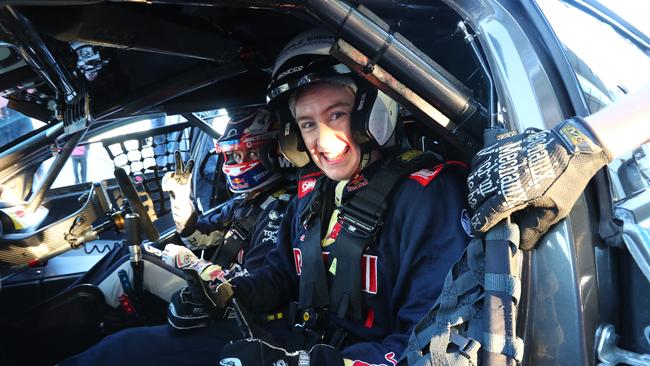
pixel 323 115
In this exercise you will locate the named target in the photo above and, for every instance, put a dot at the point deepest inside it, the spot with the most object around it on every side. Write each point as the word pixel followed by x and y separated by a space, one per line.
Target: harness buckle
pixel 307 214
pixel 467 347
pixel 358 222
pixel 238 231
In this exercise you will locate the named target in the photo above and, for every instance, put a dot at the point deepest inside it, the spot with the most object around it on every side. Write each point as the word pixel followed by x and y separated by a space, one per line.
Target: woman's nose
pixel 326 137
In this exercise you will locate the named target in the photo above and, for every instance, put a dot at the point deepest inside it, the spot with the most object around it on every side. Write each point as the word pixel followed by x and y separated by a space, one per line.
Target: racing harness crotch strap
pixel 361 218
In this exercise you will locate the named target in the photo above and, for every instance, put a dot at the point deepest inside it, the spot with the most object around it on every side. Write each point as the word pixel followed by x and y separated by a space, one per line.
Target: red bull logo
pixel 389 357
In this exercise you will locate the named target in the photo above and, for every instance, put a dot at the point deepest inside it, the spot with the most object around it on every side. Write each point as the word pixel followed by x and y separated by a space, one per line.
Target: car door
pixel 568 280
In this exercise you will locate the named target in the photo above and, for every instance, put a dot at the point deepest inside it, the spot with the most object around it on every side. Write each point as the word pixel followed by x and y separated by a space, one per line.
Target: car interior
pixel 127 62
pixel 86 68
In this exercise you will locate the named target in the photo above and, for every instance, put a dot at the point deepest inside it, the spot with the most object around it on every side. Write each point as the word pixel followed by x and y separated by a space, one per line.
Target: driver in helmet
pixel 362 250
pixel 251 172
pixel 241 231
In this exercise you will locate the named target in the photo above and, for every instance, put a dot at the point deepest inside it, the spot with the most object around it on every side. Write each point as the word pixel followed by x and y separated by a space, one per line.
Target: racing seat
pixel 64 325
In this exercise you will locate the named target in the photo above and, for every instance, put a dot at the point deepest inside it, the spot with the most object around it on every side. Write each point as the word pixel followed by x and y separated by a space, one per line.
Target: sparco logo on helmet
pixel 289 71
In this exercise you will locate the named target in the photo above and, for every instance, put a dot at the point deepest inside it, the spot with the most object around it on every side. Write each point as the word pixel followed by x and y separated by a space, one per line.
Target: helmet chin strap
pixel 365 157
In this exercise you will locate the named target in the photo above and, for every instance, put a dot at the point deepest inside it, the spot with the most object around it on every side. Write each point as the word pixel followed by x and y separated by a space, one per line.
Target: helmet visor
pixel 246 142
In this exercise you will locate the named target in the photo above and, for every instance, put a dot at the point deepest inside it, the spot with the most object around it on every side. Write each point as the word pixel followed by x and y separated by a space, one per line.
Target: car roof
pixel 136 58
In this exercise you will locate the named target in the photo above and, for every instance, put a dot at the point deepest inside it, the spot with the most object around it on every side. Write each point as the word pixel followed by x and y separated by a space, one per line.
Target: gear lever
pixel 133 239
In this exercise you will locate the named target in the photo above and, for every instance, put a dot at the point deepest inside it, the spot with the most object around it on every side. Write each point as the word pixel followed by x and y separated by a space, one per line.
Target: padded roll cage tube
pixel 384 81
pixel 31 47
pixel 197 121
pixel 157 93
pixel 24 151
pixel 366 32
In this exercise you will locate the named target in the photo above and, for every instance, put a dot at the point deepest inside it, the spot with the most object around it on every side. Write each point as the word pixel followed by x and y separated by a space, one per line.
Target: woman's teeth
pixel 329 157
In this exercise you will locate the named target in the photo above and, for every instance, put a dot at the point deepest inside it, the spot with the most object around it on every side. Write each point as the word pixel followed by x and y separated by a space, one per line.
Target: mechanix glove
pixel 537 175
pixel 179 185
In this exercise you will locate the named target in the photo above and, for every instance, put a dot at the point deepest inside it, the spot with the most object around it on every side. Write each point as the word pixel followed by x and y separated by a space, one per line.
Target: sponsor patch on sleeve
pixel 425 176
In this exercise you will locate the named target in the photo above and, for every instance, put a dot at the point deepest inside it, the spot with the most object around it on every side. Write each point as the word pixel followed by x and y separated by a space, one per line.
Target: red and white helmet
pixel 249 129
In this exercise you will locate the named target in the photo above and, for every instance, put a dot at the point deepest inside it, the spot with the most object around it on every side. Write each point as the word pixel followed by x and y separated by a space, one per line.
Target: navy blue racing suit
pixel 424 233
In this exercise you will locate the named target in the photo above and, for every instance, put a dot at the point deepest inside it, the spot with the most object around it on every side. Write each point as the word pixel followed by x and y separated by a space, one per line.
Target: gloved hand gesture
pixel 257 352
pixel 537 175
pixel 179 185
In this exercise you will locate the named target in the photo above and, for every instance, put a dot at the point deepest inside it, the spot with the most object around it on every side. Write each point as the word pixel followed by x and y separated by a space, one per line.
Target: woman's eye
pixel 337 115
pixel 306 125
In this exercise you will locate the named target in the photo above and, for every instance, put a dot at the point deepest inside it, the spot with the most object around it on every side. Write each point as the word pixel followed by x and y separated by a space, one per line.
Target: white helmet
pixel 306 60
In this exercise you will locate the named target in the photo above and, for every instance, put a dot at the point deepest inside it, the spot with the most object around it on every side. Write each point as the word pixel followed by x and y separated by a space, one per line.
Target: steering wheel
pixel 131 195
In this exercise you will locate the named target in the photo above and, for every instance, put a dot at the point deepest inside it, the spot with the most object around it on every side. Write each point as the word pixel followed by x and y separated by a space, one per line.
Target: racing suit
pixel 424 233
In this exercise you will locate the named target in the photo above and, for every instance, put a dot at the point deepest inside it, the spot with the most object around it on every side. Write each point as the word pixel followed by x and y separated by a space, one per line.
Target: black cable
pixel 101 248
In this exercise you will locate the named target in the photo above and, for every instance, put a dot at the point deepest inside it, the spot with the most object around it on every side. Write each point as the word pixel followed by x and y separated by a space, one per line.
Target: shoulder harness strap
pixel 361 218
pixel 313 291
pixel 239 234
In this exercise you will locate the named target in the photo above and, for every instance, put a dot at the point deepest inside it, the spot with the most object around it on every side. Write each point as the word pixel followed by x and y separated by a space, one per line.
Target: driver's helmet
pixel 306 60
pixel 249 132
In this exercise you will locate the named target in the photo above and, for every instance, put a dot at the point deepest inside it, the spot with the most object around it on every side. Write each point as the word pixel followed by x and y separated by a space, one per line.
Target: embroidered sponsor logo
pixel 356 183
pixel 369 273
pixel 230 361
pixel 273 215
pixel 297 260
pixel 425 176
pixel 307 183
pixel 305 186
pixel 409 155
pixel 270 235
pixel 389 357
pixel 465 222
pixel 155 251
